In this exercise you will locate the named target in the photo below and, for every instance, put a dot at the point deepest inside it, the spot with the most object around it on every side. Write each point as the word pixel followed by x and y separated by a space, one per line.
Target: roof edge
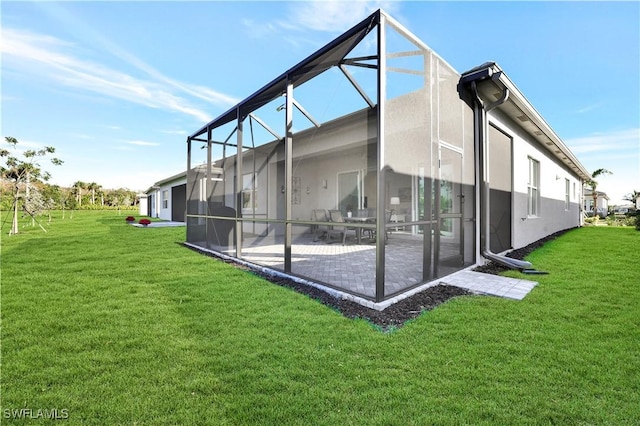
pixel 486 71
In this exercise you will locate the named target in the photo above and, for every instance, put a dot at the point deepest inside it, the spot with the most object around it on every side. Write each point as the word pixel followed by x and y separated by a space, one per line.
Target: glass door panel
pixel 449 240
pixel 349 191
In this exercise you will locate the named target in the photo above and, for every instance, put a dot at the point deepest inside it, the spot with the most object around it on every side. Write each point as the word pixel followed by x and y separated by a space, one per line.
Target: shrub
pixel 591 220
pixel 144 222
pixel 621 221
pixel 130 219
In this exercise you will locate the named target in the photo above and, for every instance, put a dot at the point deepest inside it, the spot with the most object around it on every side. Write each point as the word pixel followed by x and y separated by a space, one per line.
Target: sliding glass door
pixel 349 191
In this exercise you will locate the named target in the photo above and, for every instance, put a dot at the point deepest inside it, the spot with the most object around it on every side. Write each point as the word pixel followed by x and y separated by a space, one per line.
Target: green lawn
pixel 122 325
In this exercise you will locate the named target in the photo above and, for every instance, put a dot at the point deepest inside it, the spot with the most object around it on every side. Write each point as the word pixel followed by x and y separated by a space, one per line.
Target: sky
pixel 116 87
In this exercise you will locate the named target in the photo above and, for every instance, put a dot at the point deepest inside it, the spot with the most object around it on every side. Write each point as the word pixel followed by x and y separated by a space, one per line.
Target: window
pixel 567 194
pixel 574 190
pixel 165 199
pixel 533 188
pixel 249 195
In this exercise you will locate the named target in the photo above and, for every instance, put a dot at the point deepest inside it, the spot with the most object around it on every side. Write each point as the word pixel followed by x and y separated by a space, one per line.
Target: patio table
pixel 357 219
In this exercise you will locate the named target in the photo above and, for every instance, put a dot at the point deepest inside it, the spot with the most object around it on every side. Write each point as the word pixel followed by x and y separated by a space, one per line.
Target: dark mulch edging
pixel 495 269
pixel 399 313
pixel 390 318
pixel 393 317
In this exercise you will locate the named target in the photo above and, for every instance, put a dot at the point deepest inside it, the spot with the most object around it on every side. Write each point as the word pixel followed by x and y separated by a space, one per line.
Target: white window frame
pixel 567 194
pixel 533 188
pixel 165 199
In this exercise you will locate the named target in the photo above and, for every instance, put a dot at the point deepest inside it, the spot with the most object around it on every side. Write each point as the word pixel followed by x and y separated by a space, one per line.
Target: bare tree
pixel 35 203
pixel 21 171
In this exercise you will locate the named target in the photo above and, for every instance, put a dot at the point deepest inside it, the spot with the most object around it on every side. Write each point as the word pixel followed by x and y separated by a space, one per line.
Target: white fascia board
pixel 156 186
pixel 182 175
pixel 534 116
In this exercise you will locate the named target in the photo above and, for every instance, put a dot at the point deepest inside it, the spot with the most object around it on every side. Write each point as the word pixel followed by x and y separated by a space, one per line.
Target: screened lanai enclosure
pixel 354 168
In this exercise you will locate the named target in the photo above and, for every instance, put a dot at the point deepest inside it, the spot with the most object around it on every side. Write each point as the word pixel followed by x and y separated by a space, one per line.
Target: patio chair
pixel 319 231
pixel 336 217
pixel 367 213
pixel 387 220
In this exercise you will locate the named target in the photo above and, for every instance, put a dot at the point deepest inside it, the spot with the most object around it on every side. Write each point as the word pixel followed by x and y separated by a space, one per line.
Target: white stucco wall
pixel 553 213
pixel 159 208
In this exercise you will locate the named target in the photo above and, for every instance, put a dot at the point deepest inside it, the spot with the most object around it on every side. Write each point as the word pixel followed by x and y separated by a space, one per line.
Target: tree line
pixel 26 191
pixel 79 196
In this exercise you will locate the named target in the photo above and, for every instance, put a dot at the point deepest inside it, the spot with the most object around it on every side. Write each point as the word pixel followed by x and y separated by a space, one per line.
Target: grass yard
pixel 122 325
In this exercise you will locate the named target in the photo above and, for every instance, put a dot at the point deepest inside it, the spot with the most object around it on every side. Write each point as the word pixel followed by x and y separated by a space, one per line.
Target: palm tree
pixel 93 187
pixel 633 197
pixel 79 186
pixel 593 184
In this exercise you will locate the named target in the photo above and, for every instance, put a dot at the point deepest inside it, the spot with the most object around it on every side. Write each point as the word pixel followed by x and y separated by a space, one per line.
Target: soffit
pixel 523 113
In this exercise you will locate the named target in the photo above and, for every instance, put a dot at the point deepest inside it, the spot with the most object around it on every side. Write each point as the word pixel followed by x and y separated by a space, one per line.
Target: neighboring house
pixel 166 199
pixel 372 123
pixel 603 202
pixel 624 209
pixel 143 204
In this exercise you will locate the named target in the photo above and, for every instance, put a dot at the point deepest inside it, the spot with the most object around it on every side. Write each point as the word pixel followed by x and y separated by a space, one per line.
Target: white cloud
pixel 332 15
pixel 143 143
pixel 81 136
pixel 260 29
pixel 610 143
pixel 22 145
pixel 175 132
pixel 589 108
pixel 617 151
pixel 7 98
pixel 46 56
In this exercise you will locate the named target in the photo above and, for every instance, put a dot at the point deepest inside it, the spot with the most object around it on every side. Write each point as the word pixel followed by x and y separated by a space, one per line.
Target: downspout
pixel 481 123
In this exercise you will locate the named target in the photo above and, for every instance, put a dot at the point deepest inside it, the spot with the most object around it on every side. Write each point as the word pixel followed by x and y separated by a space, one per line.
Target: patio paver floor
pixel 353 266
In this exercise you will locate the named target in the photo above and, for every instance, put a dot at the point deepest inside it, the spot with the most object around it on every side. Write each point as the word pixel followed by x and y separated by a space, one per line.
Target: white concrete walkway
pixel 492 285
pixel 159 224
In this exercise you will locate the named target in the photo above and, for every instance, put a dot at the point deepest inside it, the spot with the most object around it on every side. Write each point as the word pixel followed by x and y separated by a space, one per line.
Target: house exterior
pixel 603 201
pixel 166 199
pixel 375 125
